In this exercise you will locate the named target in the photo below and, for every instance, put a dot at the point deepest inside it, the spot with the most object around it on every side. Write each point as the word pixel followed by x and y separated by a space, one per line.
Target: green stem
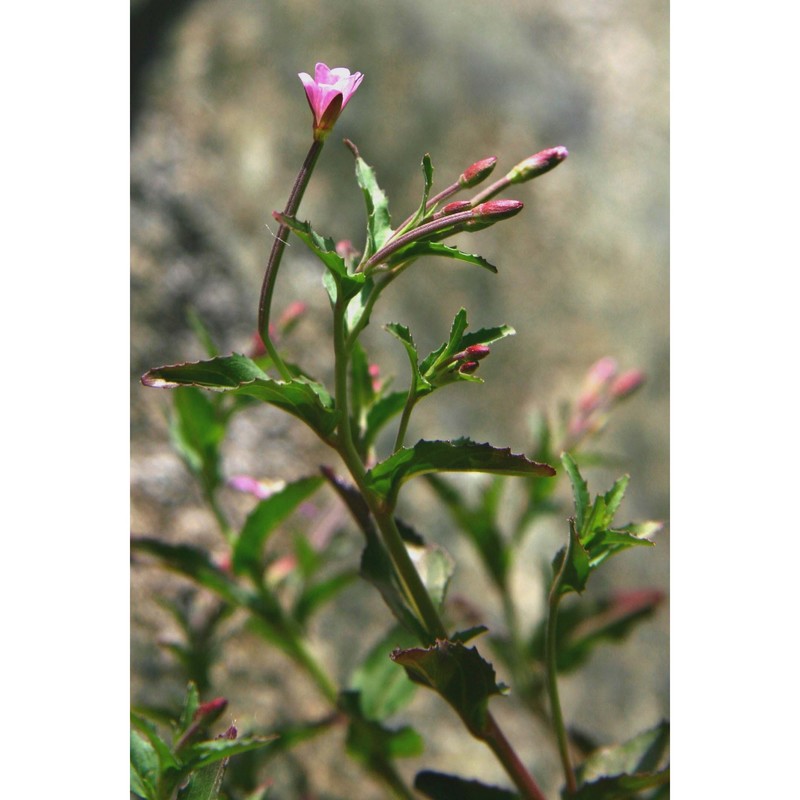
pixel 508 757
pixel 406 416
pixel 552 680
pixel 414 589
pixel 278 246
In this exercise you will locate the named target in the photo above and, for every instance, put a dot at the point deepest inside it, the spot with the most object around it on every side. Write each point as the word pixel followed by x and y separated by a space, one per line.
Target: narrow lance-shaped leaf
pixel 440 786
pixel 416 250
pixel 461 455
pixel 265 518
pixel 239 375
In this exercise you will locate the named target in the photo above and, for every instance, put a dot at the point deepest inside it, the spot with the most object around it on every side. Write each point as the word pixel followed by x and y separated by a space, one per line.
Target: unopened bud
pixel 208 712
pixel 537 165
pixel 478 172
pixel 468 367
pixel 626 384
pixel 600 374
pixel 455 207
pixel 494 210
pixel 477 351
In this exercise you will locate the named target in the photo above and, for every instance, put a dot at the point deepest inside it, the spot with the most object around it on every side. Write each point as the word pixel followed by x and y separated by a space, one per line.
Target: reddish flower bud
pixel 455 207
pixel 497 209
pixel 537 165
pixel 478 172
pixel 627 383
pixel 477 351
pixel 328 92
pixel 208 712
pixel 468 367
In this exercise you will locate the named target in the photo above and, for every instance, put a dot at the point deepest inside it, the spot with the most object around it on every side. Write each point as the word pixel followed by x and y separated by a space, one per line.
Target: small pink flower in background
pixel 328 92
pixel 250 485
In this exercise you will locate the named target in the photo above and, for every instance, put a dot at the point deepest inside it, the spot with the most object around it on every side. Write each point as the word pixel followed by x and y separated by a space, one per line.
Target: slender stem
pixel 508 757
pixel 278 246
pixel 490 191
pixel 414 589
pixel 406 416
pixel 552 680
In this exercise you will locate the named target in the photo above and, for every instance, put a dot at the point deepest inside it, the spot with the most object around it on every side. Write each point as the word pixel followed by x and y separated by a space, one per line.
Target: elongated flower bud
pixel 477 173
pixel 497 209
pixel 468 367
pixel 537 165
pixel 626 384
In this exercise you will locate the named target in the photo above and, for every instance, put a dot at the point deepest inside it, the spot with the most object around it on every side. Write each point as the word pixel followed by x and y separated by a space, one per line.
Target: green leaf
pixel 582 626
pixel 401 332
pixel 479 523
pixel 196 431
pixel 571 565
pixel 166 758
pixel 202 333
pixel 461 455
pixel 419 249
pixel 643 753
pixel 265 518
pixel 144 767
pixel 193 563
pixel 435 566
pixel 376 565
pixel 378 221
pixel 427 176
pixel 620 787
pixel 190 706
pixel 315 596
pixel 382 684
pixel 580 490
pixel 374 744
pixel 215 750
pixel 239 375
pixel 439 786
pixel 459 675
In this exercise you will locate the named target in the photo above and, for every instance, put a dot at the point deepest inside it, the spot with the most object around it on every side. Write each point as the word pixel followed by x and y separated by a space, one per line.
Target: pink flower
pixel 328 92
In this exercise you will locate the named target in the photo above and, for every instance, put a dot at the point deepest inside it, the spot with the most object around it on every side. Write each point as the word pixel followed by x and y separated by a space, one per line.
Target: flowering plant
pixel 424 642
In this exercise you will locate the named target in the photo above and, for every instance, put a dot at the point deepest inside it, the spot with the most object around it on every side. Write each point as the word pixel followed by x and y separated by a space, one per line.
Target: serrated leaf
pixel 378 220
pixel 461 455
pixel 458 674
pixel 382 684
pixel 265 518
pixel 440 786
pixel 580 491
pixel 419 249
pixel 619 787
pixel 239 375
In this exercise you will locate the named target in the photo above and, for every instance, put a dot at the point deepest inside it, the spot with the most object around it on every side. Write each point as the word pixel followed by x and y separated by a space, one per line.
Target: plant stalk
pixel 278 246
pixel 508 757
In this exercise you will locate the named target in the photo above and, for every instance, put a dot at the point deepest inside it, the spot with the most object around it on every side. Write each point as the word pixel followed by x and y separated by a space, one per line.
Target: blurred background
pixel 219 128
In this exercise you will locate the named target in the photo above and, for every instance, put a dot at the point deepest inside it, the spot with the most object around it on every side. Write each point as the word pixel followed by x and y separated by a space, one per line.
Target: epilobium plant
pixel 410 574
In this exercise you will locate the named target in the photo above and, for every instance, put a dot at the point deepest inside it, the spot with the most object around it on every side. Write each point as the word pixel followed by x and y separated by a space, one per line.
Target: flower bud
pixel 208 712
pixel 537 165
pixel 468 367
pixel 455 207
pixel 477 351
pixel 477 173
pixel 626 384
pixel 494 210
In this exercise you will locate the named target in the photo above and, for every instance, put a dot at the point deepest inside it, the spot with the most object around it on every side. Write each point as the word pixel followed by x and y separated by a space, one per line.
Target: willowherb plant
pixel 410 575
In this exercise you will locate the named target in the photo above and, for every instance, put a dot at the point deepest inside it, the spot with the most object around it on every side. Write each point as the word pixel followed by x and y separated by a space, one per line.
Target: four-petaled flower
pixel 328 92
